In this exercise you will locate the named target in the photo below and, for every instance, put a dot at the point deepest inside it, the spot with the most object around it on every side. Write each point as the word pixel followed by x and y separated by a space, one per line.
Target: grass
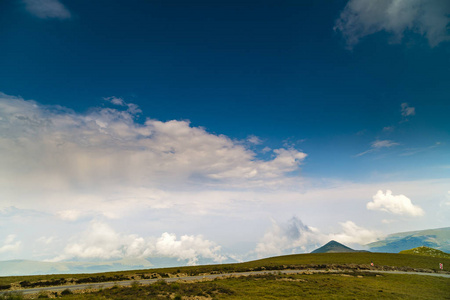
pixel 426 251
pixel 314 286
pixel 301 261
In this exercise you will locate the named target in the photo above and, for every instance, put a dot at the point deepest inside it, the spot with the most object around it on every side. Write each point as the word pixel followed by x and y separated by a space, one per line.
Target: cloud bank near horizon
pixel 101 242
pixel 106 155
pixel 102 185
pixel 295 237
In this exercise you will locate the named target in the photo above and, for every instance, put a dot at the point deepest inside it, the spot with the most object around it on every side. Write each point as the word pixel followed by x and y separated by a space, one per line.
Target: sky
pixel 220 130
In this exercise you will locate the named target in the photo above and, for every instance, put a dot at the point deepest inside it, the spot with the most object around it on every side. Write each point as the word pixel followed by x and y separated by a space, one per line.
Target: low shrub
pixel 66 292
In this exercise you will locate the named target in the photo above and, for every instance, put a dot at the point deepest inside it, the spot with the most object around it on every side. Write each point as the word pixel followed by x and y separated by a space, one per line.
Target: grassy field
pixel 314 286
pixel 241 289
pixel 426 251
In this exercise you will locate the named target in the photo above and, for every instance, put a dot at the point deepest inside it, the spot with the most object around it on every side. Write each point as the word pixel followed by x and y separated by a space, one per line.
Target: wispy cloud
pixel 407 111
pixel 377 145
pixel 412 151
pixel 395 204
pixel 253 139
pixel 132 108
pixel 361 18
pixel 10 244
pixel 47 9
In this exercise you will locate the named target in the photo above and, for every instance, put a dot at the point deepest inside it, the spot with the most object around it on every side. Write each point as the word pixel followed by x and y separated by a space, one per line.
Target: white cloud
pixel 10 245
pixel 188 247
pixel 100 241
pixel 69 215
pixel 395 204
pixel 253 139
pixel 115 100
pixel 383 144
pixel 407 110
pixel 266 149
pixel 132 108
pixel 107 145
pixel 291 236
pixel 377 145
pixel 46 9
pixel 445 202
pixel 295 237
pixel 386 221
pixel 106 161
pixel 353 234
pixel 412 151
pixel 46 240
pixel 429 18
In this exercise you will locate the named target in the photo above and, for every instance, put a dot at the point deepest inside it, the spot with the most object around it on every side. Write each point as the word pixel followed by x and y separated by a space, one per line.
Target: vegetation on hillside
pixel 426 251
pixel 342 261
pixel 281 286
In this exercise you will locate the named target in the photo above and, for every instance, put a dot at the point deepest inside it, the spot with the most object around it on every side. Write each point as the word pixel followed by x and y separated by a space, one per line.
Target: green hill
pixel 294 261
pixel 433 238
pixel 426 251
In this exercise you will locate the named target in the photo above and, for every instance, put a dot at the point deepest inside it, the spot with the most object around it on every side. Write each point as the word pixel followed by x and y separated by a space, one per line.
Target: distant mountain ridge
pixel 334 247
pixel 434 238
pixel 30 267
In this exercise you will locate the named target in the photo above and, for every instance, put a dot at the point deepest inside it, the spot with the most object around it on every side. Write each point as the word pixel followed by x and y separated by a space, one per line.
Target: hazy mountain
pixel 333 247
pixel 426 251
pixel 433 238
pixel 29 267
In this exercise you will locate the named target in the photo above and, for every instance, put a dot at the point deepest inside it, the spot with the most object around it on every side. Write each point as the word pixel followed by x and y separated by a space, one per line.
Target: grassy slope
pixel 426 251
pixel 379 259
pixel 314 286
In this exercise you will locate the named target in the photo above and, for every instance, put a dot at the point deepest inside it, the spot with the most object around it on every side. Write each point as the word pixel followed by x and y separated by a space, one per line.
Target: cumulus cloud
pixel 354 234
pixel 395 204
pixel 47 9
pixel 428 18
pixel 188 247
pixel 100 241
pixel 295 237
pixel 292 236
pixel 10 244
pixel 377 145
pixel 85 148
pixel 105 159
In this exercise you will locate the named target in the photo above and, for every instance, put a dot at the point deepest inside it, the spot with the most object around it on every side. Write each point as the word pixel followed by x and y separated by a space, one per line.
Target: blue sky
pixel 155 119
